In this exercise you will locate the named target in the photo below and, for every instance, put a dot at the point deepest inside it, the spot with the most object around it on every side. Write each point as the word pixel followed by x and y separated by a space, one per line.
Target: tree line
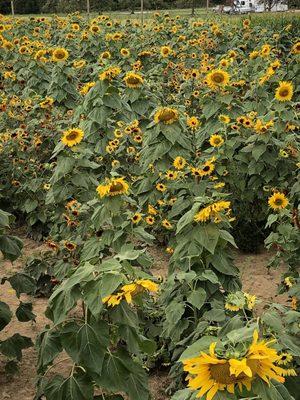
pixel 67 6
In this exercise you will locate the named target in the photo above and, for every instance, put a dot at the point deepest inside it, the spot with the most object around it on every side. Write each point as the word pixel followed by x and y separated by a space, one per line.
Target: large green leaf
pixel 22 283
pixel 64 166
pixel 208 236
pixel 75 387
pixel 92 340
pixel 4 219
pixel 49 346
pixel 5 315
pixel 292 343
pixel 274 391
pixel 174 312
pixel 10 246
pixel 197 298
pixel 187 218
pixel 121 373
pixel 198 346
pixel 24 312
pixel 13 346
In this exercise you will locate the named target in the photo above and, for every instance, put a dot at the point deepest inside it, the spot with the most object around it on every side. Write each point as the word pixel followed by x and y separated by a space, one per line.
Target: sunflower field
pixel 118 138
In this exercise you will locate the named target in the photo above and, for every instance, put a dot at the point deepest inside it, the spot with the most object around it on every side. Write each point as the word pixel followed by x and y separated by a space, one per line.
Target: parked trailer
pixel 249 6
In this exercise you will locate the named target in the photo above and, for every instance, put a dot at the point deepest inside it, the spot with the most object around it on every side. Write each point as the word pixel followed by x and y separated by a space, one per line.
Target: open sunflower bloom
pixel 209 373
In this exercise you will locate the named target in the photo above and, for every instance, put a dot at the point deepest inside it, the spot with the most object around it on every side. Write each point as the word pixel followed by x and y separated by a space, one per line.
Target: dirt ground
pixel 256 278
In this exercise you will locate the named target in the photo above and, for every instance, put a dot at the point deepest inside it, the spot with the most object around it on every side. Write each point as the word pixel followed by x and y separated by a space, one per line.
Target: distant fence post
pixel 207 5
pixel 193 8
pixel 88 8
pixel 142 12
pixel 12 7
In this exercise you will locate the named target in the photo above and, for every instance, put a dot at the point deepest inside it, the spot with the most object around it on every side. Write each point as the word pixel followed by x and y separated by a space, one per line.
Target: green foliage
pixel 11 347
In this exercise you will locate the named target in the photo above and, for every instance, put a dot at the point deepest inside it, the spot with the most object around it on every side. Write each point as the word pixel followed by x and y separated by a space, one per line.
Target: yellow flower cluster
pixel 127 292
pixel 212 211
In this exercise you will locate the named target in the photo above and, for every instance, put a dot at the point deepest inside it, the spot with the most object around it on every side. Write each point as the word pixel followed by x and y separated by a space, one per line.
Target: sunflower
pixel 261 359
pixel 179 162
pixel 165 51
pixel 72 136
pixel 133 80
pixel 125 52
pixel 166 224
pixel 285 358
pixel 94 29
pixel 224 118
pixel 217 78
pixel 171 175
pixel 284 91
pixel 161 187
pixel 79 64
pixel 113 187
pixel 278 201
pixel 192 122
pixel 118 186
pixel 127 292
pixel 231 307
pixel 150 220
pixel 47 102
pixel 152 210
pixel 70 246
pixel 105 55
pixel 212 211
pixel 166 115
pixel 246 23
pixel 207 168
pixel 136 218
pixel 215 374
pixel 109 73
pixel 216 140
pixel 60 54
pixel 296 48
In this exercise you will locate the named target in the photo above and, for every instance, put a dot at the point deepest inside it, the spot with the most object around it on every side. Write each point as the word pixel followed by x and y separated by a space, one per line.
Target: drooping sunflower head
pixel 209 374
pixel 217 78
pixel 278 201
pixel 296 48
pixel 109 73
pixel 284 92
pixel 212 372
pixel 47 102
pixel 133 80
pixel 60 54
pixel 72 136
pixel 166 115
pixel 118 186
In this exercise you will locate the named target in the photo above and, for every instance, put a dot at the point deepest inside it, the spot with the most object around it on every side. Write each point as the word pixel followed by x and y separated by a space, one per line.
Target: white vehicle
pixel 248 6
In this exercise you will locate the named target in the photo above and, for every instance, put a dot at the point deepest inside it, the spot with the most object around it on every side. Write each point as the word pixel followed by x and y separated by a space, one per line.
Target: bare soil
pixel 256 278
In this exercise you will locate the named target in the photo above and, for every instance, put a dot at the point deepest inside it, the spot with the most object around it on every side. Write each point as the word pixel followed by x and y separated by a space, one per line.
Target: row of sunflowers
pixel 179 133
